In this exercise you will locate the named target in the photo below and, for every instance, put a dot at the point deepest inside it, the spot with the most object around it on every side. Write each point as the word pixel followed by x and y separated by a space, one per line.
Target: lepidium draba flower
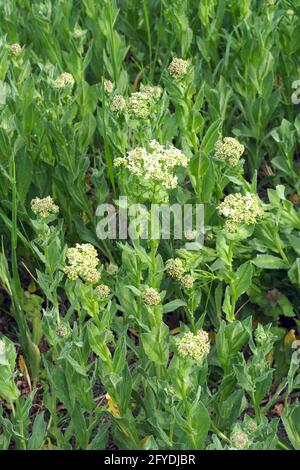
pixel 239 209
pixel 192 345
pixel 118 104
pixel 82 263
pixel 65 80
pixel 154 163
pixel 178 68
pixel 229 150
pixel 44 207
pixel 151 297
pixel 15 49
pixel 102 291
pixel 108 86
pixel 174 268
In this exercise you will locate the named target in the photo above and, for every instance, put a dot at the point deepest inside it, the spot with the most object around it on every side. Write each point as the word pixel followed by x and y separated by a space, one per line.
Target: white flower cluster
pixel 44 207
pixel 240 440
pixel 174 268
pixel 63 81
pixel 83 261
pixel 77 33
pixel 154 92
pixel 239 209
pixel 118 104
pixel 102 291
pixel 62 330
pixel 15 49
pixel 151 296
pixel 187 281
pixel 139 105
pixel 229 150
pixel 178 68
pixel 154 163
pixel 108 86
pixel 192 345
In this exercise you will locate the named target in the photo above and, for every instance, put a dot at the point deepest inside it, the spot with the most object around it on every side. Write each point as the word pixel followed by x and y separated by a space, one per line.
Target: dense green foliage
pixel 191 355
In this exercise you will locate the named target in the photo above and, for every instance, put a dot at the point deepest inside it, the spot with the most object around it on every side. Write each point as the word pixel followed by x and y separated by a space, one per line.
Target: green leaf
pixel 156 344
pixel 38 432
pixel 243 279
pixel 270 262
pixel 211 136
pixel 173 305
pixel 291 421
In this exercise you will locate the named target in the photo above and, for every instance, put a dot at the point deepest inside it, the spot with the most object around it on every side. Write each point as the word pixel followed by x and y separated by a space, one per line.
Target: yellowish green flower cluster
pixel 239 209
pixel 62 330
pixel 178 68
pixel 82 263
pixel 187 281
pixel 252 426
pixel 102 291
pixel 154 92
pixel 240 440
pixel 174 268
pixel 108 86
pixel 118 104
pixel 229 150
pixel 44 207
pixel 77 33
pixel 139 103
pixel 63 81
pixel 192 345
pixel 154 163
pixel 151 296
pixel 15 49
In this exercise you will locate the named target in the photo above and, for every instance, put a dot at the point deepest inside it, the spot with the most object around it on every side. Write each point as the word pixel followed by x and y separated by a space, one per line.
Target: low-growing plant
pixel 139 338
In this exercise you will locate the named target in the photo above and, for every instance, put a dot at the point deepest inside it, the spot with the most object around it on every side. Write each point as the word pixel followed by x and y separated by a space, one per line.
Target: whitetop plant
pixel 229 150
pixel 15 49
pixel 118 104
pixel 174 268
pixel 102 291
pixel 154 163
pixel 44 207
pixel 65 80
pixel 239 209
pixel 82 263
pixel 178 68
pixel 196 346
pixel 151 297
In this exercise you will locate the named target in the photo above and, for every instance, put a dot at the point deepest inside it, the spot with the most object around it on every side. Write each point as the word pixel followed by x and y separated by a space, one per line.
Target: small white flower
pixel 82 263
pixel 178 68
pixel 44 207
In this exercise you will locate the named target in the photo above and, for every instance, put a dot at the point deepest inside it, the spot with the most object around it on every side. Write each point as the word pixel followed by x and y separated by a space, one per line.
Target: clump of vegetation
pixel 149 342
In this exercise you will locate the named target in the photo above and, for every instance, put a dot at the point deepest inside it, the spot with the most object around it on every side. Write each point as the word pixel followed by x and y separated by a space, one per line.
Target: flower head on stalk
pixel 174 268
pixel 82 263
pixel 44 207
pixel 118 104
pixel 178 68
pixel 192 345
pixel 239 209
pixel 102 292
pixel 229 150
pixel 151 297
pixel 154 163
pixel 187 281
pixel 15 49
pixel 108 86
pixel 65 80
pixel 240 440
